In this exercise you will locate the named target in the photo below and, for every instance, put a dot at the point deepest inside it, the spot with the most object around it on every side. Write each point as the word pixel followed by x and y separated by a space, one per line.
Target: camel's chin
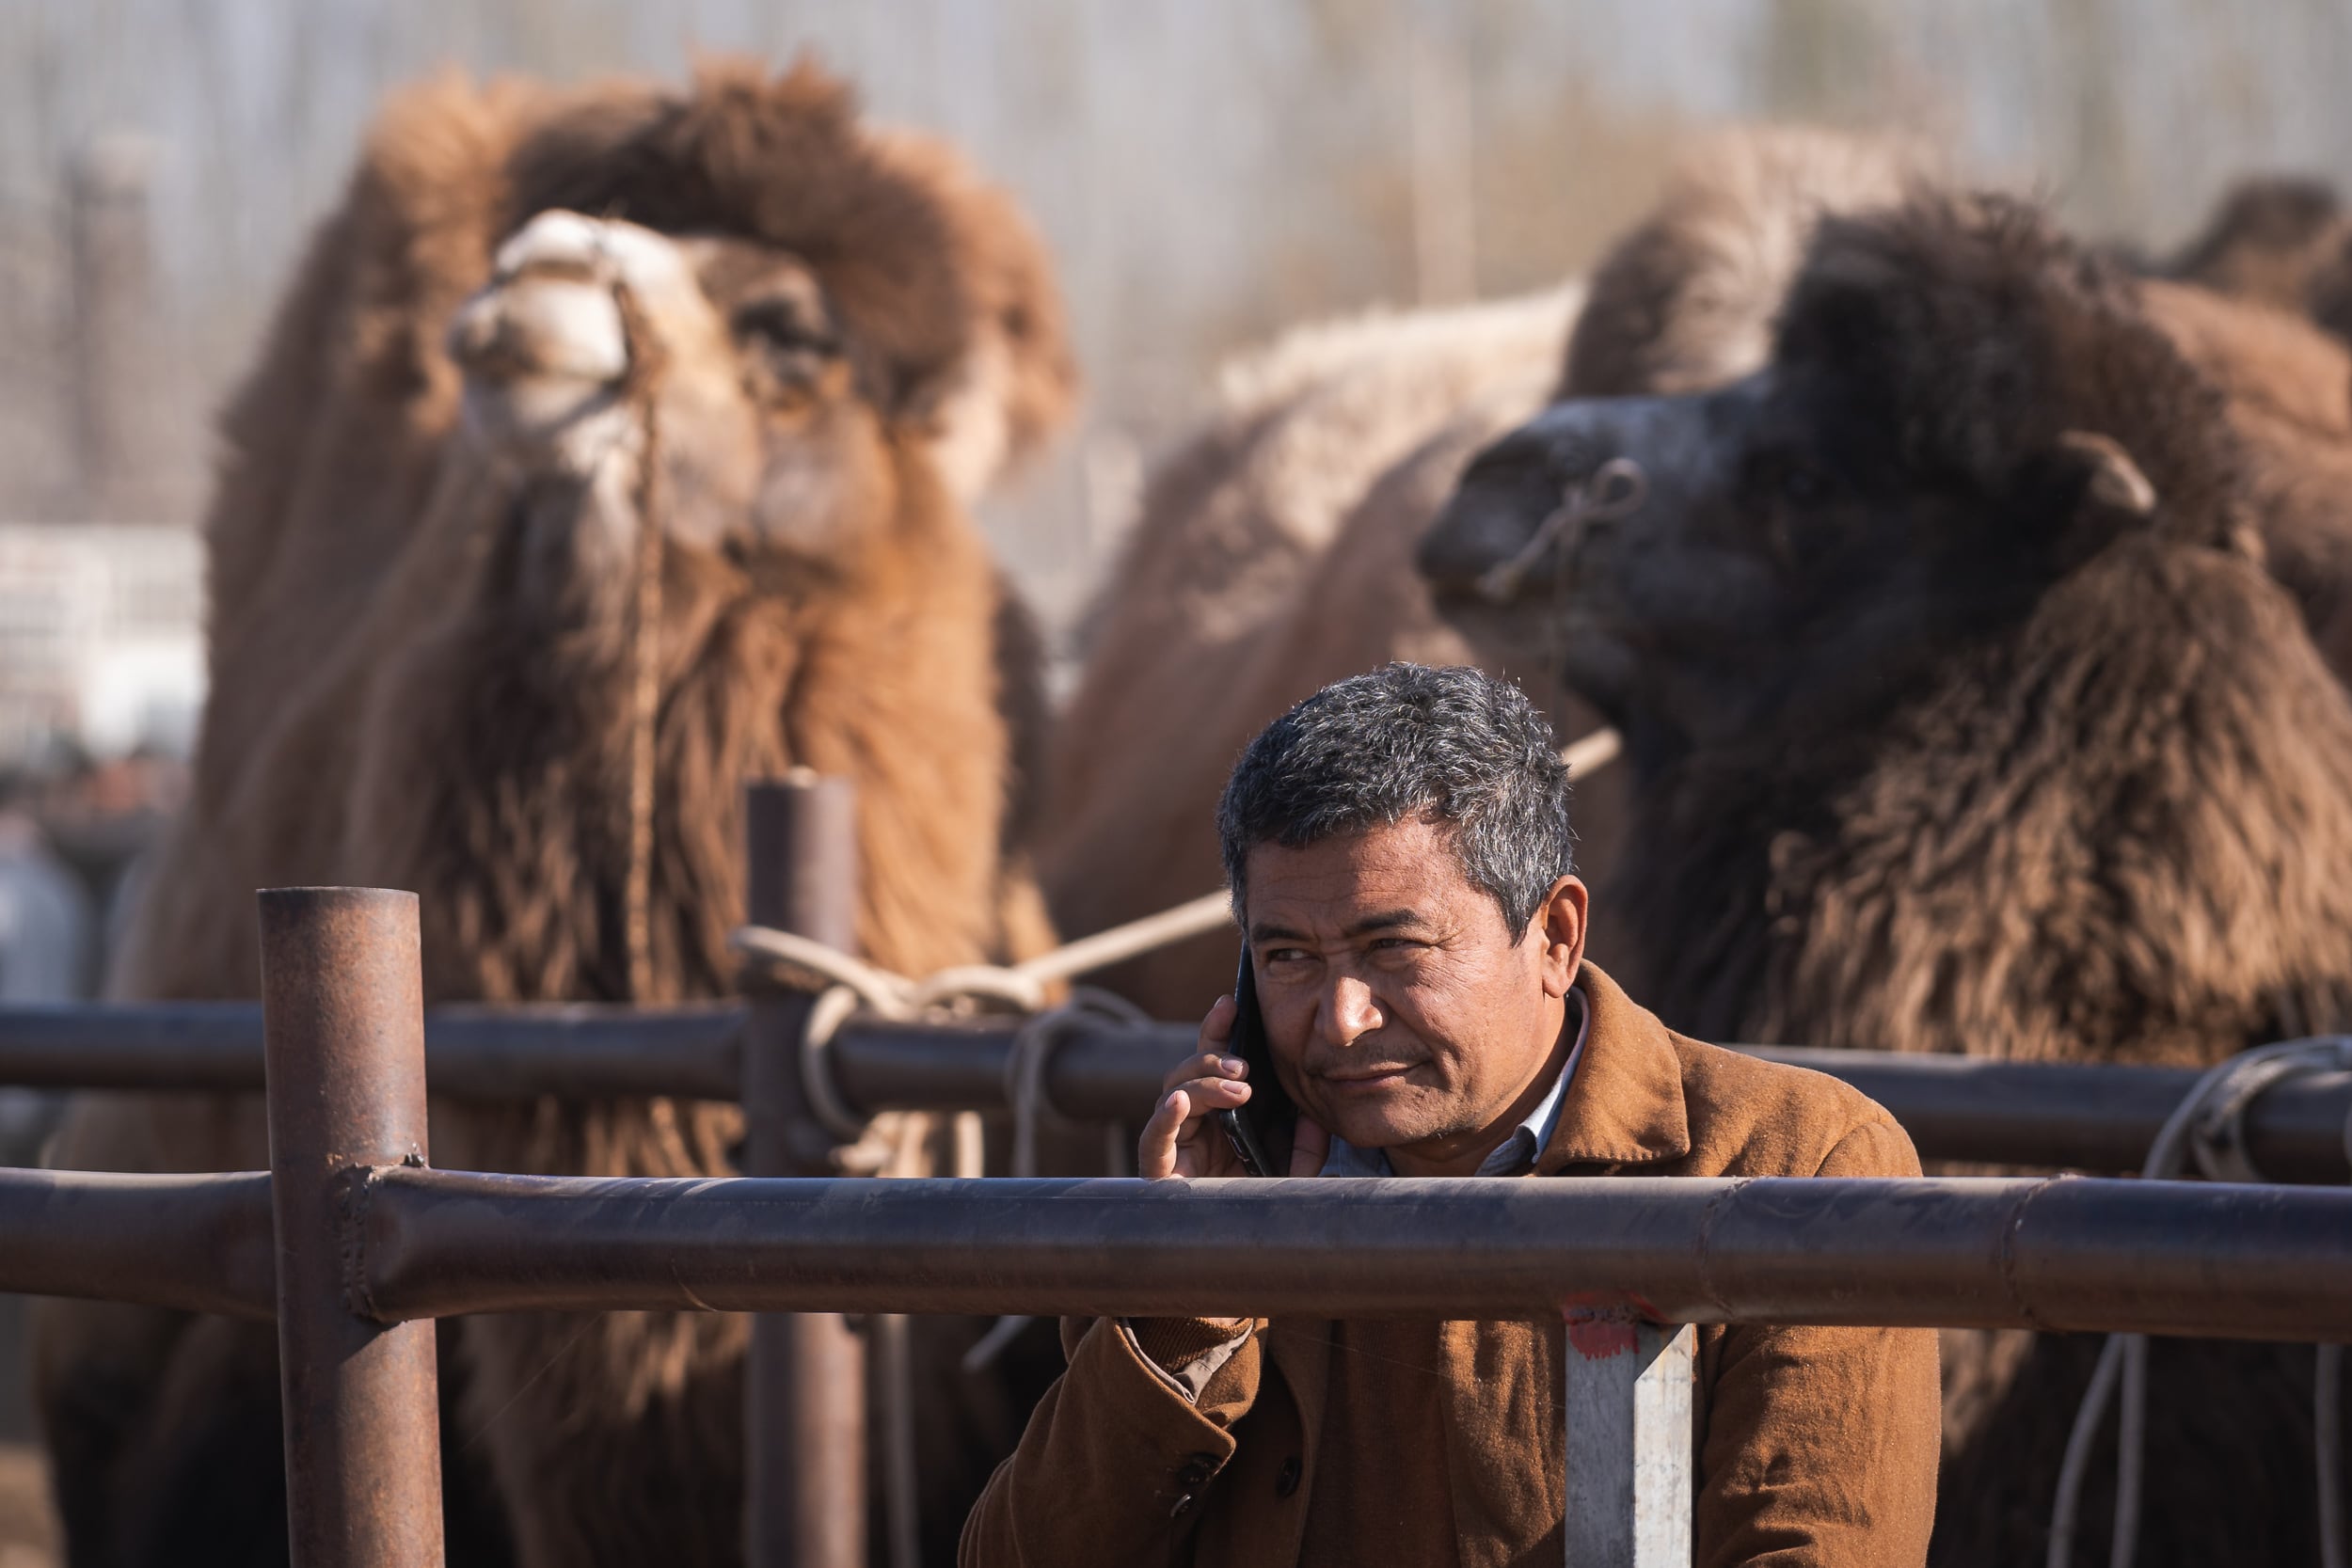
pixel 1520 635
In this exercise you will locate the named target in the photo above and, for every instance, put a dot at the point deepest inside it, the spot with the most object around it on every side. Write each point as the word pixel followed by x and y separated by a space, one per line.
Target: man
pixel 1398 847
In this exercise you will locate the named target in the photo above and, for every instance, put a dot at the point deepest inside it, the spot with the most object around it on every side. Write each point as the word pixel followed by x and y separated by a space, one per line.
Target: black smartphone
pixel 1260 1131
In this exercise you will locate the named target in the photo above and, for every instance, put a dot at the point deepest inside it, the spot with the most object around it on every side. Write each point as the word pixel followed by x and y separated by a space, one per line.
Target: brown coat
pixel 1817 1445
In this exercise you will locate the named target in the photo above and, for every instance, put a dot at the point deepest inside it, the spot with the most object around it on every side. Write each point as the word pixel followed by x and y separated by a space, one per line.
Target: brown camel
pixel 1275 549
pixel 1967 719
pixel 2267 242
pixel 540 533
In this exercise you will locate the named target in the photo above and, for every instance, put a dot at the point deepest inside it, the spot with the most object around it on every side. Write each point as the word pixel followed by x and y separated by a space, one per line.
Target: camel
pixel 1274 551
pixel 610 449
pixel 2281 241
pixel 1966 717
pixel 2267 242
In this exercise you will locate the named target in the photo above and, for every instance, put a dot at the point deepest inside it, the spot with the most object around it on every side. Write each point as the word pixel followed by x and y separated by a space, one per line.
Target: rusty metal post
pixel 344 1039
pixel 804 1395
pixel 1631 1401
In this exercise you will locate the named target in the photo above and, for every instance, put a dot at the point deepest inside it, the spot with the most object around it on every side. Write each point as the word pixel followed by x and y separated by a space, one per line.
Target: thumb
pixel 1309 1146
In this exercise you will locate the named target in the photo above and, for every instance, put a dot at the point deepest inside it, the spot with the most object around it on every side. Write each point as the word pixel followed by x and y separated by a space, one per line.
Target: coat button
pixel 1198 1468
pixel 1287 1482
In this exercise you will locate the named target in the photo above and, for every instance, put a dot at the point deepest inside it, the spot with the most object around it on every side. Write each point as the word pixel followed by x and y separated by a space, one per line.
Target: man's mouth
pixel 1363 1078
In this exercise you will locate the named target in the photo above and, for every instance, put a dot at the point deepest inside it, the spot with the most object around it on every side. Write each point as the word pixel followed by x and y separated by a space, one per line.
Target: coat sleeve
pixel 1821 1444
pixel 1116 1462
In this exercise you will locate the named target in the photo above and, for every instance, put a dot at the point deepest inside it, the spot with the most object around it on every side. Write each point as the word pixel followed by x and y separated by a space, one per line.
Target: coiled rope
pixel 2209 1125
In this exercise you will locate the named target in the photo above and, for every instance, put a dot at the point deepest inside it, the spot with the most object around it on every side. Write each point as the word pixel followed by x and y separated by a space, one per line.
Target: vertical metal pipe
pixel 805 1381
pixel 342 1028
pixel 1631 1391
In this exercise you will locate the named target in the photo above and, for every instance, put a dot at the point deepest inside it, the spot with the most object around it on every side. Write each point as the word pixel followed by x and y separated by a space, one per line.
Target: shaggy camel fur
pixel 1969 721
pixel 687 482
pixel 2289 389
pixel 1275 549
pixel 1687 301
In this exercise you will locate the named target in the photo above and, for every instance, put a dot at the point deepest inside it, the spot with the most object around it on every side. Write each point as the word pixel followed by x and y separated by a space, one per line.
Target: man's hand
pixel 1183 1137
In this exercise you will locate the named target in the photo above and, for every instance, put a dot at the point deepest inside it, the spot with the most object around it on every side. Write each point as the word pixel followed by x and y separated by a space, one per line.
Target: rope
pixel 646 364
pixel 2208 1125
pixel 1597 750
pixel 1615 489
pixel 1138 937
pixel 833 1007
pixel 1033 1047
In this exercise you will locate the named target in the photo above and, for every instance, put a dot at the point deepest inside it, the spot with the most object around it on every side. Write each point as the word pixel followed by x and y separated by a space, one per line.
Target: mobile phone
pixel 1261 1130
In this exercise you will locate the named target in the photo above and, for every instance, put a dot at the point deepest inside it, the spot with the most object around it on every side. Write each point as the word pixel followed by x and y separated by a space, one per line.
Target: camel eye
pixel 785 347
pixel 780 324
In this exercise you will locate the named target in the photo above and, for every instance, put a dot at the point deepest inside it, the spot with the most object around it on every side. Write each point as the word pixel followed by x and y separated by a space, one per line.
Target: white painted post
pixel 1631 1395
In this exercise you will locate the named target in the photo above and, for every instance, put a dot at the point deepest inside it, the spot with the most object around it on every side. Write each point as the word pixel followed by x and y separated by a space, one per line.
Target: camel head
pixel 780 330
pixel 707 380
pixel 1960 407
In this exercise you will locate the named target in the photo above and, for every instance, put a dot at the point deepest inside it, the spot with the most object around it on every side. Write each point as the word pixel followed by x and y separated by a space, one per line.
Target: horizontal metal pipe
pixel 2056 1253
pixel 580 1049
pixel 2088 1116
pixel 161 1045
pixel 198 1243
pixel 585 1050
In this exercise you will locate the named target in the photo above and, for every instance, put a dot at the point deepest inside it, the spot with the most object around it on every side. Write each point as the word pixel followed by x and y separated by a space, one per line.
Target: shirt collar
pixel 1515 1154
pixel 1625 1104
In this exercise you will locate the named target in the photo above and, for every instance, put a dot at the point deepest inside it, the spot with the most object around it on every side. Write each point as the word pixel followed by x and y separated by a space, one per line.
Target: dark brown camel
pixel 1966 719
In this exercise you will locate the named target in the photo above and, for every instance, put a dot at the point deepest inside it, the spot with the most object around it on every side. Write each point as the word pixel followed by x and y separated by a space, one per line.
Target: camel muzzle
pixel 1525 505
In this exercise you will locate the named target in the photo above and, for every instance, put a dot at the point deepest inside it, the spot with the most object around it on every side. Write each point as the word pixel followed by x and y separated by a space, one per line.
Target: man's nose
pixel 1350 1011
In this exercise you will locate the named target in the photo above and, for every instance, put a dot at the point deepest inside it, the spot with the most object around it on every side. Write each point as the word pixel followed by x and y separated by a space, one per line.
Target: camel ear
pixel 2110 477
pixel 1015 383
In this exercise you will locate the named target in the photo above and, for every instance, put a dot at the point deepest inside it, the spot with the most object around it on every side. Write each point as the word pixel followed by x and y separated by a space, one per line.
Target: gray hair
pixel 1453 747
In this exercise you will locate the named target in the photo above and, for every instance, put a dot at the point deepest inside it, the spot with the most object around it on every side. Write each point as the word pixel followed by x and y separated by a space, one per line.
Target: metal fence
pixel 354 1243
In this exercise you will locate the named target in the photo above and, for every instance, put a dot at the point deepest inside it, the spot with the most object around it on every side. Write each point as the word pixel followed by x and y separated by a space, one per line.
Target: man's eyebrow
pixel 1386 920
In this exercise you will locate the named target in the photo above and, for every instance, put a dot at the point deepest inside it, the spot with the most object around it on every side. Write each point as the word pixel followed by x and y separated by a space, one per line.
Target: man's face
pixel 1402 1013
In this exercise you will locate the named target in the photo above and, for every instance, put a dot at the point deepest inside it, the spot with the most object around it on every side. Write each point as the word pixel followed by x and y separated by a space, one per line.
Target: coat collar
pixel 1625 1105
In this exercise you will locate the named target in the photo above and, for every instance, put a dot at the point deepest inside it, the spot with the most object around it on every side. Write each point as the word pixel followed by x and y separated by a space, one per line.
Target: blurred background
pixel 1207 172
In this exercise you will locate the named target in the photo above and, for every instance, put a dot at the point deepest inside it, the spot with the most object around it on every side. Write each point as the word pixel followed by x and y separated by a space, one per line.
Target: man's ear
pixel 1563 920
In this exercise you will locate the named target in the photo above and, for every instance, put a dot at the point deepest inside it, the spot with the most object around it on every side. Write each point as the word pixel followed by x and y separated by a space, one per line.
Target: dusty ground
pixel 28 1534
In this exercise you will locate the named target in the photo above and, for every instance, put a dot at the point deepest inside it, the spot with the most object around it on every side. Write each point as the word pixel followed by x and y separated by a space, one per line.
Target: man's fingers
pixel 1208 1065
pixel 1214 1094
pixel 1155 1148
